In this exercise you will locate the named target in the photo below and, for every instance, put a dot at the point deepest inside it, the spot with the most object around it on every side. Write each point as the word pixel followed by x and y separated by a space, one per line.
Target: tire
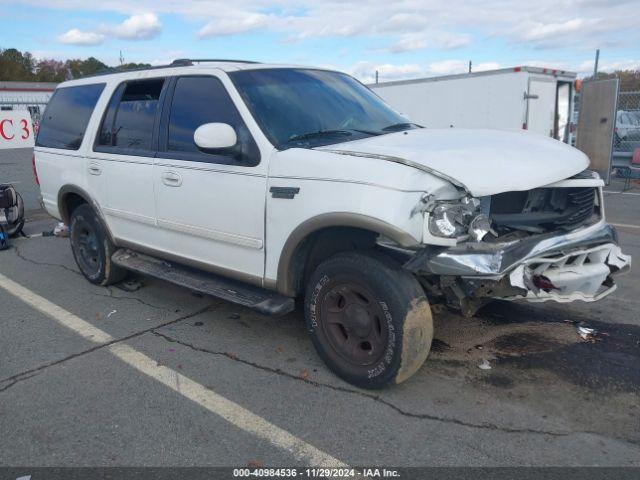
pixel 92 248
pixel 369 319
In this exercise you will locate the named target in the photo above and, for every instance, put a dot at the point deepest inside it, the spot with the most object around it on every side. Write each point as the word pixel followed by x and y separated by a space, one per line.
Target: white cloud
pixel 440 40
pixel 78 37
pixel 234 25
pixel 399 26
pixel 137 27
pixel 543 31
pixel 409 42
pixel 366 71
pixel 586 67
pixel 387 72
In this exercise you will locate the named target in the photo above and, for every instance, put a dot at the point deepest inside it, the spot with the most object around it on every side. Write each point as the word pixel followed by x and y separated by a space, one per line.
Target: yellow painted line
pixel 230 411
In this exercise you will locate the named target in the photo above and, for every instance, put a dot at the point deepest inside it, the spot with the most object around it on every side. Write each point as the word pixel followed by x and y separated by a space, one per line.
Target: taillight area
pixel 35 171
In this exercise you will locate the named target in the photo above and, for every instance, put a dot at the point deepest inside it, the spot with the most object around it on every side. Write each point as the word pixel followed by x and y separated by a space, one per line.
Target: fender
pixel 284 282
pixel 66 218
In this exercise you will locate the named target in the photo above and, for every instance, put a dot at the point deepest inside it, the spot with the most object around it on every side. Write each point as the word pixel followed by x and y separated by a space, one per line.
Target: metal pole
pixel 469 66
pixel 595 66
pixel 376 76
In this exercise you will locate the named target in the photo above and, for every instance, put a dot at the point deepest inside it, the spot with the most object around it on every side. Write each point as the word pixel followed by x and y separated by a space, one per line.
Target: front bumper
pixel 576 265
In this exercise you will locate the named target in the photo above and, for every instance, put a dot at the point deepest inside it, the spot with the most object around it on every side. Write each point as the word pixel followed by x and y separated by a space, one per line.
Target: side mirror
pixel 215 136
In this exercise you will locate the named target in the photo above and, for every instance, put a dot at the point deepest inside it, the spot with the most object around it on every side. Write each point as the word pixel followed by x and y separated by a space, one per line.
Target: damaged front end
pixel 546 244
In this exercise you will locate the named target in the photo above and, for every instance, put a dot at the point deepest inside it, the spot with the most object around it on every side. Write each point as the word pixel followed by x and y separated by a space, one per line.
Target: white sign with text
pixel 16 130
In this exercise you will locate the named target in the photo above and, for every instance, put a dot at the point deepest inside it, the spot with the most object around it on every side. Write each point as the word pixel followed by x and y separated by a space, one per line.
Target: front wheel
pixel 369 319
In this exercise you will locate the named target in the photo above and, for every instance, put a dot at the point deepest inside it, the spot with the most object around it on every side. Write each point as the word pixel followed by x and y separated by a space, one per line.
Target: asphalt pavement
pixel 93 376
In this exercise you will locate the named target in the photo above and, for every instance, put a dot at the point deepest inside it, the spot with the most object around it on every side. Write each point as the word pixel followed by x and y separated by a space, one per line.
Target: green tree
pixel 51 71
pixel 16 66
pixel 629 79
pixel 133 66
pixel 90 66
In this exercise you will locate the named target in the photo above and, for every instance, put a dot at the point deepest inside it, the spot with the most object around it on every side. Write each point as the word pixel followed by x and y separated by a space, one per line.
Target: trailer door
pixel 541 105
pixel 596 123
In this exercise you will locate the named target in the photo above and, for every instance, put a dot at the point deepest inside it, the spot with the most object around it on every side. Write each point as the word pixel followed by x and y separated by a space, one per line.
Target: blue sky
pixel 401 39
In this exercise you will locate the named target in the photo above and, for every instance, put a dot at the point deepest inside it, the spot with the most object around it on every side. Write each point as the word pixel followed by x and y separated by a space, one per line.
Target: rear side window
pixel 67 115
pixel 129 120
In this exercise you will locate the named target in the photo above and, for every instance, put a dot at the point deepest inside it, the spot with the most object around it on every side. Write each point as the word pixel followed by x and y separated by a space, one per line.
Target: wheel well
pixel 320 245
pixel 69 203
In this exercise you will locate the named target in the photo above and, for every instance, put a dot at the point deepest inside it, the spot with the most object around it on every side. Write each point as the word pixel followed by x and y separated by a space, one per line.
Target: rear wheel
pixel 92 248
pixel 368 318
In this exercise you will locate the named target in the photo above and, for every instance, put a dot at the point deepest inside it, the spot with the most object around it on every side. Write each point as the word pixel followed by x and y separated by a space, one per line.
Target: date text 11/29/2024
pixel 316 473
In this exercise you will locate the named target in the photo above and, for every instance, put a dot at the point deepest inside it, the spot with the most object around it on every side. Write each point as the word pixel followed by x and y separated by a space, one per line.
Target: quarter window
pixel 67 115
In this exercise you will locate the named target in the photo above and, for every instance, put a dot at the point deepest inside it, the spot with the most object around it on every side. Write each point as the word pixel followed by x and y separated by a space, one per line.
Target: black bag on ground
pixel 8 196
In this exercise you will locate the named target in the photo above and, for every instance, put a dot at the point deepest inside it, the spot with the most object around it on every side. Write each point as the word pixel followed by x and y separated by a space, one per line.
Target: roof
pixel 537 70
pixel 28 86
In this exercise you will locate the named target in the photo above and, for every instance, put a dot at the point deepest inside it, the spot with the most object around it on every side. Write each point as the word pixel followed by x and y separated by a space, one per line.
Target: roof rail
pixel 191 61
pixel 180 62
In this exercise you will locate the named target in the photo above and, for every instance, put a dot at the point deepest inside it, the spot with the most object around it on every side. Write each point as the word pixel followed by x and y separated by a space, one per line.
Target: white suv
pixel 262 183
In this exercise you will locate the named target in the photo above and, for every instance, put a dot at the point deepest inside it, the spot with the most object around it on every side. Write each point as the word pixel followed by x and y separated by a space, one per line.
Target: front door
pixel 210 205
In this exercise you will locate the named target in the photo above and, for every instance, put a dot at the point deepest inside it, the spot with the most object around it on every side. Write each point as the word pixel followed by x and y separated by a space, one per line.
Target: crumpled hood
pixel 485 162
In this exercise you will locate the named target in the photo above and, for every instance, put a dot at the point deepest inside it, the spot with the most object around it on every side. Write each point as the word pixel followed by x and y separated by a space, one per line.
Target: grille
pixel 543 209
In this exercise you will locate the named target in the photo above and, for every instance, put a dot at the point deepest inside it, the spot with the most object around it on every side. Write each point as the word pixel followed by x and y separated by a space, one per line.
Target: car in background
pixel 627 126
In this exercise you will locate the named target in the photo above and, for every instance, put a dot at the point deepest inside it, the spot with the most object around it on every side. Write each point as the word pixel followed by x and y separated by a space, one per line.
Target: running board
pixel 259 299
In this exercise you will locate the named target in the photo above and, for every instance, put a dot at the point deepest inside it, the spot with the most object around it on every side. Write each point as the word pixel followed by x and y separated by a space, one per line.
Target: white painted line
pixel 625 225
pixel 623 193
pixel 62 316
pixel 233 413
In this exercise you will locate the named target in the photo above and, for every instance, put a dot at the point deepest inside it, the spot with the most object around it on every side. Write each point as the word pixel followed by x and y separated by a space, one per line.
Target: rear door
pixel 123 153
pixel 210 205
pixel 541 105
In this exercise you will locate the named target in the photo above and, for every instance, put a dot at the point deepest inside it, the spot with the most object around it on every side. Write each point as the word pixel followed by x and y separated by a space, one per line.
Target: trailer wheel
pixel 369 319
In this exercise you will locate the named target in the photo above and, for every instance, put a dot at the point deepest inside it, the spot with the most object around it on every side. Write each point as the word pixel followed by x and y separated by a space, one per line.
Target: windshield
pixel 310 108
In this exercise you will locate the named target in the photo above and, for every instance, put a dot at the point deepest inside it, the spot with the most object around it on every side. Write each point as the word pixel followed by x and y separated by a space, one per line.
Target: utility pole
pixel 469 66
pixel 595 66
pixel 376 76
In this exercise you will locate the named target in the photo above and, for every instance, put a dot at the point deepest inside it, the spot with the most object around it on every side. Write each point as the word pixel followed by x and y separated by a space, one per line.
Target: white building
pixel 32 96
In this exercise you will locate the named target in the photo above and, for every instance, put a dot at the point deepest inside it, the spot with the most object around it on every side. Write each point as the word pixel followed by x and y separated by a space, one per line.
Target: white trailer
pixel 531 98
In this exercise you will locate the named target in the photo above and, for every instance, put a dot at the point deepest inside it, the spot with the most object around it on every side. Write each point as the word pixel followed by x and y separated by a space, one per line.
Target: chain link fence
pixel 627 133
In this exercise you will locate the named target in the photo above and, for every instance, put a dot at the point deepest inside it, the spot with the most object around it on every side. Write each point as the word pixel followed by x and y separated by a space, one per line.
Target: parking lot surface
pixel 93 376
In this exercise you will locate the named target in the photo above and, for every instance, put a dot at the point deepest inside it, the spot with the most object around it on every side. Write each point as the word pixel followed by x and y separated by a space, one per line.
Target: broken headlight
pixel 457 219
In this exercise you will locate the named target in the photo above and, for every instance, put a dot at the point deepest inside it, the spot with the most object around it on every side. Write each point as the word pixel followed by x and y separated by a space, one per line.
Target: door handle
pixel 94 168
pixel 171 179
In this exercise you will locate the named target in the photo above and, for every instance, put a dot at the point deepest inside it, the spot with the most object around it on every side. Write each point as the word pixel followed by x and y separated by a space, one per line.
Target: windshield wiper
pixel 401 126
pixel 346 132
pixel 320 134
